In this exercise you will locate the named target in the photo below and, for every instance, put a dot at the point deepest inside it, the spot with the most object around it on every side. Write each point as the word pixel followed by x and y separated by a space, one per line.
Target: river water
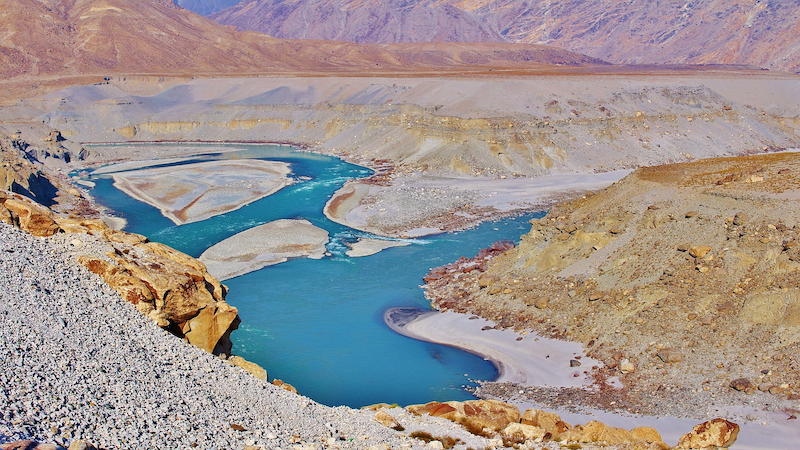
pixel 318 324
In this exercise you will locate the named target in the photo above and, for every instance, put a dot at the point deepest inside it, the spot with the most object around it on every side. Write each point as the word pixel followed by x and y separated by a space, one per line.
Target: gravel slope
pixel 76 362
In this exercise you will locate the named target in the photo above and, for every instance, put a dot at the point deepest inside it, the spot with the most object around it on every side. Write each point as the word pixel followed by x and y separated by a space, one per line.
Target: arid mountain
pixel 760 33
pixel 49 39
pixel 358 21
pixel 205 7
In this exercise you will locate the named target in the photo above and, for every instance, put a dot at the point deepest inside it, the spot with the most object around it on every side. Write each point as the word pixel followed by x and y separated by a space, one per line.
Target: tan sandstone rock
pixel 480 417
pixel 250 367
pixel 600 433
pixel 551 422
pixel 387 420
pixel 716 433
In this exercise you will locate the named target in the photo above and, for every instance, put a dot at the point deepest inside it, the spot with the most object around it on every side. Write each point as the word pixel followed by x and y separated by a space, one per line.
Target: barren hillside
pixel 758 33
pixel 681 278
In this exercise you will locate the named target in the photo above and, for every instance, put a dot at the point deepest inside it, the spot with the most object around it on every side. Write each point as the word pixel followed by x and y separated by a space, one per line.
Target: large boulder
pixel 716 433
pixel 27 215
pixel 549 421
pixel 600 433
pixel 480 417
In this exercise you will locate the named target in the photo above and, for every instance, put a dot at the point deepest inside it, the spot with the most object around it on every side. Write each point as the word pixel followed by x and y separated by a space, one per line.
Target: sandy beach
pixel 525 359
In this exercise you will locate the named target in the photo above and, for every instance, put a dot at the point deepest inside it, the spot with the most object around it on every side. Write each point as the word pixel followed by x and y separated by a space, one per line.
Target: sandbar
pixel 194 192
pixel 369 246
pixel 419 205
pixel 531 361
pixel 264 245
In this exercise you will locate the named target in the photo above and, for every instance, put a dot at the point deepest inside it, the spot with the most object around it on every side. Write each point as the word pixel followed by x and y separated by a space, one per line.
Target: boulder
pixel 285 386
pixel 716 433
pixel 479 417
pixel 600 433
pixel 387 420
pixel 29 216
pixel 743 385
pixel 670 355
pixel 251 368
pixel 520 432
pixel 698 251
pixel 551 422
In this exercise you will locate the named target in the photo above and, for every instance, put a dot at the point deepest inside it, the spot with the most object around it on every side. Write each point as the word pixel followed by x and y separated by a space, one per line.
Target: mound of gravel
pixel 77 362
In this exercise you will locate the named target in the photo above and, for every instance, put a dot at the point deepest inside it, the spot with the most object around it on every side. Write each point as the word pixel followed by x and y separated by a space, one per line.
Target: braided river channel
pixel 318 324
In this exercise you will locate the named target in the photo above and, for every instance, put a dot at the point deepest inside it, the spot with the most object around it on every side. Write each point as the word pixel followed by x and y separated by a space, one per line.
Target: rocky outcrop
pixel 172 288
pixel 671 269
pixel 491 418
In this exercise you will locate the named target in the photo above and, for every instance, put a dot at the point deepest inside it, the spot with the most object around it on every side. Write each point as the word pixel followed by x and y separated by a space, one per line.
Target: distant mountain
pixel 764 33
pixel 206 7
pixel 53 38
pixel 361 21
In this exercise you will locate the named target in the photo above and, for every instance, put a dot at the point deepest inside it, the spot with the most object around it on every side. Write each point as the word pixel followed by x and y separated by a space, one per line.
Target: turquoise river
pixel 318 324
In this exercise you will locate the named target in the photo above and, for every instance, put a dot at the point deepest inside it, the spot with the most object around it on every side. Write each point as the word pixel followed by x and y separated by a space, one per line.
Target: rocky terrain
pixel 681 278
pixel 757 33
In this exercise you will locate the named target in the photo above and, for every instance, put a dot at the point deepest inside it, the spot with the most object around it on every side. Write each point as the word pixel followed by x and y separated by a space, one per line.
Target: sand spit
pixel 195 192
pixel 522 358
pixel 264 245
pixel 419 205
pixel 368 246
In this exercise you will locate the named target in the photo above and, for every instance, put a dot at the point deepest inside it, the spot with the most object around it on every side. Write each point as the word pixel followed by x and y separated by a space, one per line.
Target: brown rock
pixel 742 384
pixel 387 420
pixel 80 444
pixel 475 415
pixel 670 355
pixel 31 217
pixel 521 432
pixel 698 251
pixel 251 368
pixel 551 422
pixel 285 386
pixel 486 280
pixel 599 432
pixel 716 433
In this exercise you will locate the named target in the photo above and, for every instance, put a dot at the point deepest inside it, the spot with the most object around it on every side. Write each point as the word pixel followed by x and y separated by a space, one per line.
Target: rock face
pixel 172 288
pixel 641 32
pixel 716 433
pixel 674 267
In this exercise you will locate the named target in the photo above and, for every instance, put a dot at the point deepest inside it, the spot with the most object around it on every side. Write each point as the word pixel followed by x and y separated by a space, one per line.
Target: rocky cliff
pixel 172 288
pixel 679 277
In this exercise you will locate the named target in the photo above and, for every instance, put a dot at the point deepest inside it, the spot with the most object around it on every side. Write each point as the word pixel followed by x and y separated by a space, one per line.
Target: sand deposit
pixel 194 192
pixel 265 245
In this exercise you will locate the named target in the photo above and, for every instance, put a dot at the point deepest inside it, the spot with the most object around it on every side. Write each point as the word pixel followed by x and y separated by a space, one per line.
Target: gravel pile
pixel 76 362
